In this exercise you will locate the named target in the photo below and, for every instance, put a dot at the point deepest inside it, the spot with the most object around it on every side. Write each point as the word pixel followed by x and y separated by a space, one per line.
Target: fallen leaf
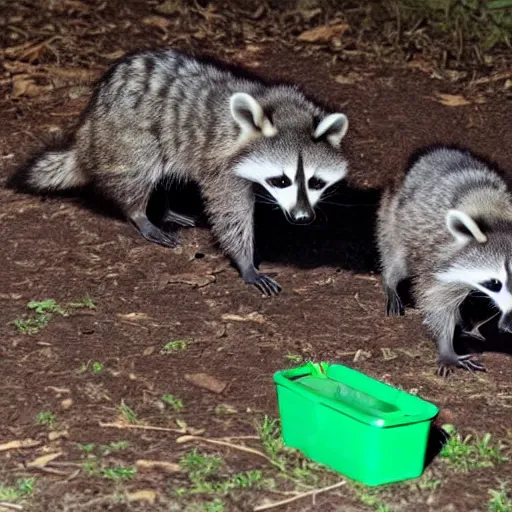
pixel 142 495
pixel 452 100
pixel 66 403
pixel 160 465
pixel 205 381
pixel 57 434
pixel 348 78
pixel 251 317
pixel 324 33
pixel 148 351
pixel 16 445
pixel 157 21
pixel 42 461
pixel 134 316
pixel 24 85
pixel 191 279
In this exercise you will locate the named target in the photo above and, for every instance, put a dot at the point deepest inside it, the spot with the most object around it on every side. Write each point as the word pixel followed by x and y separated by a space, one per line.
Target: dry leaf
pixel 157 21
pixel 66 403
pixel 452 100
pixel 161 465
pixel 251 317
pixel 23 85
pixel 42 461
pixel 205 381
pixel 324 33
pixel 349 78
pixel 142 495
pixel 134 316
pixel 57 434
pixel 388 354
pixel 191 279
pixel 16 445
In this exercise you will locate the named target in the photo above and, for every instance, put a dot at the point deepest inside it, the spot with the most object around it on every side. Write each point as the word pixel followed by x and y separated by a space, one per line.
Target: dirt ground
pixel 83 366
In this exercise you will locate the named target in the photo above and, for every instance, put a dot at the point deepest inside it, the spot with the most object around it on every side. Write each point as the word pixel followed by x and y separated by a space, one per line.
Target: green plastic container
pixel 365 429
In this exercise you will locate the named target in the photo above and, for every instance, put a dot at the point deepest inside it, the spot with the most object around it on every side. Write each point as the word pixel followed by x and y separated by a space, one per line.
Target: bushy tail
pixel 52 170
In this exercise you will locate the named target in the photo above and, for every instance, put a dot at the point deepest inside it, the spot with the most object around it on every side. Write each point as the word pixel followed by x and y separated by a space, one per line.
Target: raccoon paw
pixel 394 306
pixel 159 237
pixel 467 362
pixel 265 285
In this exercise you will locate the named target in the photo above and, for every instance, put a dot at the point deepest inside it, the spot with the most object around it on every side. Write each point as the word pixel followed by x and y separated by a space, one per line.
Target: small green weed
pixel 115 446
pixel 174 402
pixel 174 346
pixel 86 302
pixel 45 418
pixel 23 488
pixel 127 413
pixel 294 358
pixel 471 452
pixel 214 506
pixel 205 476
pixel 92 366
pixel 86 448
pixel 500 501
pixel 31 325
pixel 200 464
pixel 217 505
pixel 42 313
pixel 118 473
pixel 43 307
pixel 271 441
pixel 369 497
pixel 225 409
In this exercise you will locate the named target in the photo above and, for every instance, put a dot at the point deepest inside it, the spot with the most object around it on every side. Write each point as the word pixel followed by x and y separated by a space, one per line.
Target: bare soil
pixel 331 307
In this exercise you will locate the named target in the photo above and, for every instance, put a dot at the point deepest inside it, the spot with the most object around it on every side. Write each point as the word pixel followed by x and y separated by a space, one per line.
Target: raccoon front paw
pixel 159 237
pixel 394 306
pixel 265 284
pixel 447 363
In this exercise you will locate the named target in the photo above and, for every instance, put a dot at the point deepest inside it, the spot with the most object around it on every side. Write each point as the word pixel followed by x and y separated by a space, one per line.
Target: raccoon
pixel 166 116
pixel 448 227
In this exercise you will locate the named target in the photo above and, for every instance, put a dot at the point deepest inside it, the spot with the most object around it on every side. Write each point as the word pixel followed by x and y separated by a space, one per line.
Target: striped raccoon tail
pixel 51 170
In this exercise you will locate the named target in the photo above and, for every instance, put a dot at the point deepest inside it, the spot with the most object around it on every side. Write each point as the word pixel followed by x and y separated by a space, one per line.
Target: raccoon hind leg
pixel 133 195
pixel 393 272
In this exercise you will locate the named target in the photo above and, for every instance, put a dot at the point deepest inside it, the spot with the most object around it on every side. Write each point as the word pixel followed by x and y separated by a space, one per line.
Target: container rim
pixel 286 379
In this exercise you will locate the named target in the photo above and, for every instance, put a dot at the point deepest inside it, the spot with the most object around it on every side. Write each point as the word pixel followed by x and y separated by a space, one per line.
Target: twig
pixel 140 427
pixel 12 506
pixel 246 449
pixel 313 493
pixel 16 445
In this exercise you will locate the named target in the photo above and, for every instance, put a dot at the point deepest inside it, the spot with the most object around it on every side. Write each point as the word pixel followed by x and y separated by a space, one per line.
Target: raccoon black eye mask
pixel 163 116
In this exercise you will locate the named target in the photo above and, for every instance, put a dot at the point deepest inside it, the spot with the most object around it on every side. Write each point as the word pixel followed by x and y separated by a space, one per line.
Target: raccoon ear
pixel 249 115
pixel 463 227
pixel 333 128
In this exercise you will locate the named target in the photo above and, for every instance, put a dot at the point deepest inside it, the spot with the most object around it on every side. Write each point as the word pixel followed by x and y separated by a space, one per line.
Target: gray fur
pixel 415 241
pixel 161 116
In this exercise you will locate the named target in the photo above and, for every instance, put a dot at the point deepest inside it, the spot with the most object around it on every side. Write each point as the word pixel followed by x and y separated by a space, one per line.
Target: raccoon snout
pixel 302 215
pixel 505 323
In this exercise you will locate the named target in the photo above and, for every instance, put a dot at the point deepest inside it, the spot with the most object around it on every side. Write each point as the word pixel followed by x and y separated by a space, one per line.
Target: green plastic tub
pixel 365 429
